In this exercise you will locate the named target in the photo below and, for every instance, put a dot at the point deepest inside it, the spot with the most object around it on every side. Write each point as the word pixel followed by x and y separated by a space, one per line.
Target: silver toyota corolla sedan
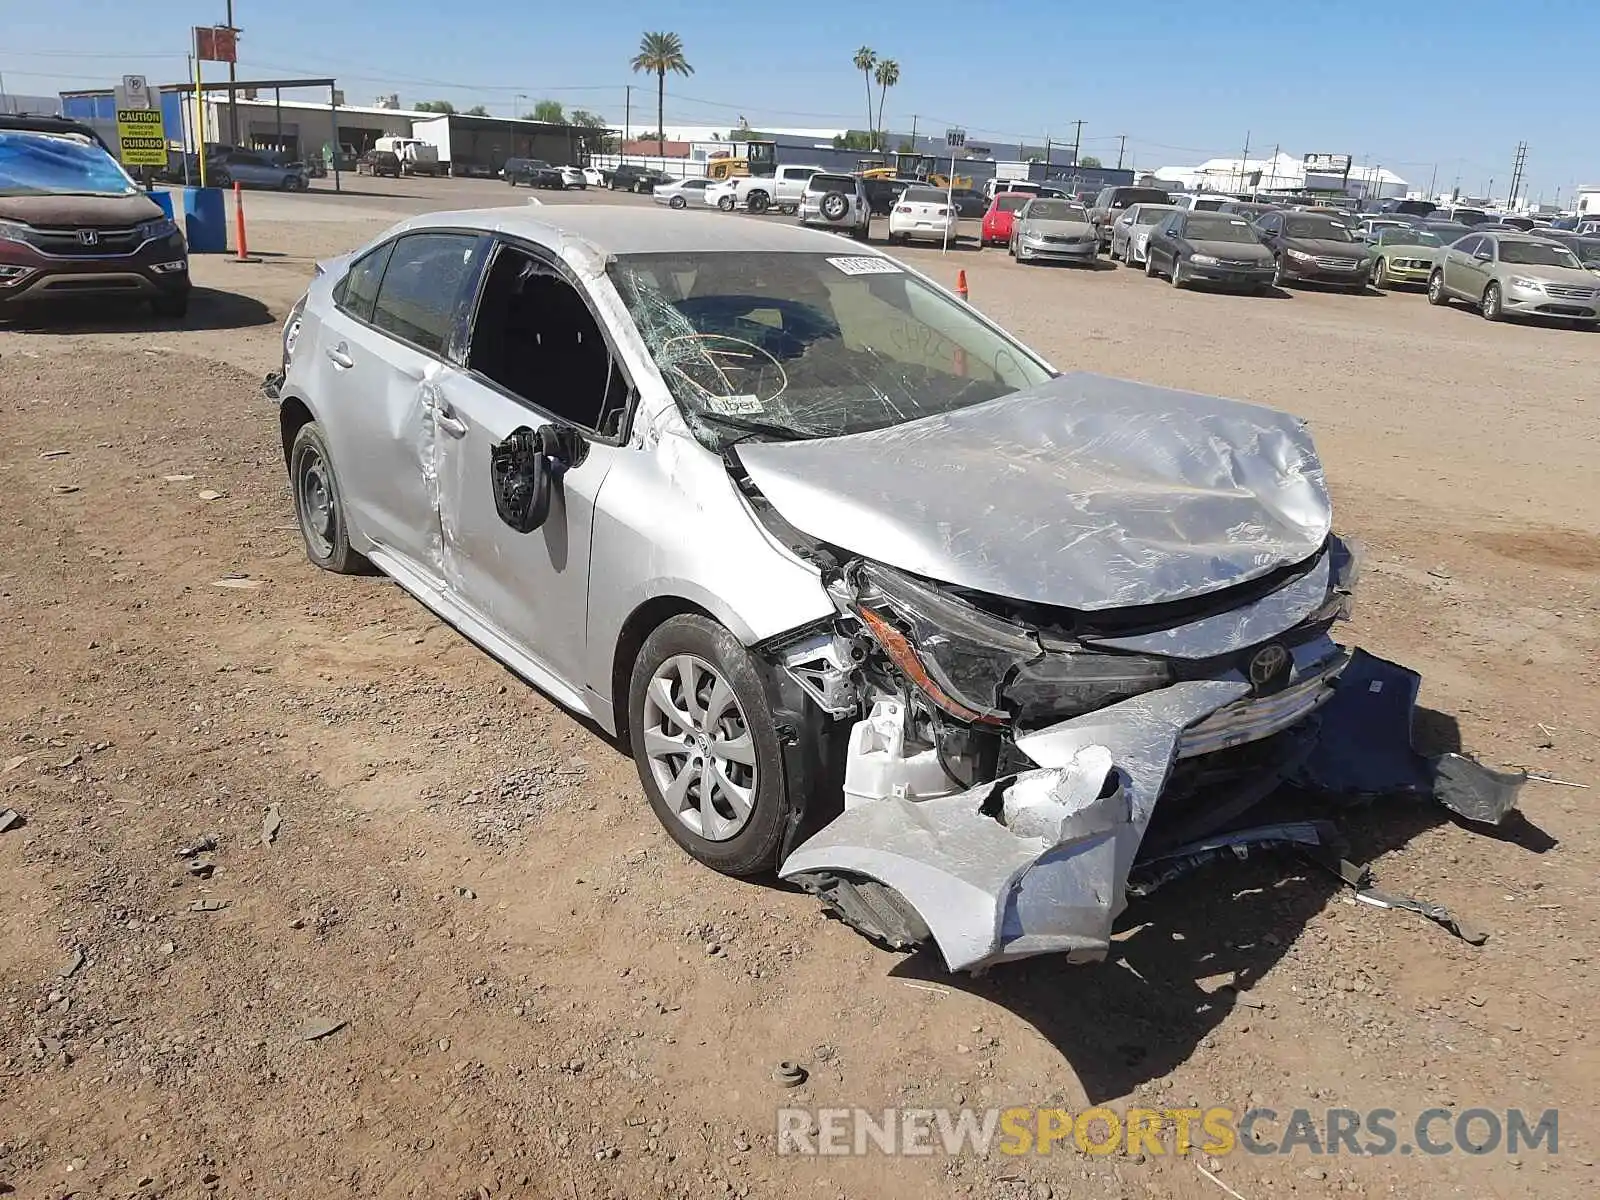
pixel 875 596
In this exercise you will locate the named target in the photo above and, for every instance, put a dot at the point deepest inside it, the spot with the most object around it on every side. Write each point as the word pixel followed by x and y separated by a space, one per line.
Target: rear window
pixel 1125 197
pixel 1011 201
pixel 922 195
pixel 832 183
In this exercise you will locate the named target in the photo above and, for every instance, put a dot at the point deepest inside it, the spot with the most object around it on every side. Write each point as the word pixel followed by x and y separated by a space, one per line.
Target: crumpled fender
pixel 1033 863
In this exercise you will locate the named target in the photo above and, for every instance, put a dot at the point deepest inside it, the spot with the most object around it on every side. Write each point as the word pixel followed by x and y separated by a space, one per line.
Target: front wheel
pixel 1177 273
pixel 319 504
pixel 705 744
pixel 1492 309
pixel 1436 295
pixel 725 203
pixel 677 202
pixel 1380 275
pixel 1277 272
pixel 1150 267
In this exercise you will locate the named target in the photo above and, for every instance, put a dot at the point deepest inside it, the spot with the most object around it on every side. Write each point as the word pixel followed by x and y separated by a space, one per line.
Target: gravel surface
pixel 468 962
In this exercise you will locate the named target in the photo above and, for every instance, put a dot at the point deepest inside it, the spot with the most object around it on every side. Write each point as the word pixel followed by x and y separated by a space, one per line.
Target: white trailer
pixel 416 156
pixel 436 133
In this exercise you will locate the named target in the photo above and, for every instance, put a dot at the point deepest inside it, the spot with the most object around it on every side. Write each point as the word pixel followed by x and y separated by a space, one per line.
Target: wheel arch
pixel 294 414
pixel 644 620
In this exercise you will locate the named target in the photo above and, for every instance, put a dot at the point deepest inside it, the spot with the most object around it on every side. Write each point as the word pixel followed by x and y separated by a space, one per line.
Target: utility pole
pixel 1243 160
pixel 627 123
pixel 1432 180
pixel 233 95
pixel 914 149
pixel 1077 142
pixel 1122 146
pixel 1276 148
pixel 1047 155
pixel 1516 173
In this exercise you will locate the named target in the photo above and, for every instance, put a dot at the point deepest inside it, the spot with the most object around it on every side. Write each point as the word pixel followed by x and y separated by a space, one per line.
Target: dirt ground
pixel 541 996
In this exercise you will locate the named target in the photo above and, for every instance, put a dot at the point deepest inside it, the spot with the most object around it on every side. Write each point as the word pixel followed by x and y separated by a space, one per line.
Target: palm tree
pixel 660 53
pixel 888 74
pixel 866 59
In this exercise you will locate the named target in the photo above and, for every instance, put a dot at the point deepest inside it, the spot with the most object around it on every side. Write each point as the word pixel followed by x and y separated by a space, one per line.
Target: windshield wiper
pixel 749 426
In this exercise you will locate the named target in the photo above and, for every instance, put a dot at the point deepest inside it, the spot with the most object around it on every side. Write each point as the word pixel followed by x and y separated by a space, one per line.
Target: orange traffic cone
pixel 961 283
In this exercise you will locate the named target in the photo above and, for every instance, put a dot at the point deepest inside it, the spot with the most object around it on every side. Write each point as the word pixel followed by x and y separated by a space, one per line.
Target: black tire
pixel 511 182
pixel 834 206
pixel 1491 306
pixel 1277 271
pixel 788 210
pixel 759 201
pixel 1150 267
pixel 174 306
pixel 677 202
pixel 326 537
pixel 862 233
pixel 754 849
pixel 894 238
pixel 1380 275
pixel 1436 292
pixel 1178 281
pixel 725 203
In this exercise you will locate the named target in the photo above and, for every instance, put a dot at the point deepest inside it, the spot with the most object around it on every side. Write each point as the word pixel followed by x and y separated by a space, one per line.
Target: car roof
pixel 598 231
pixel 29 123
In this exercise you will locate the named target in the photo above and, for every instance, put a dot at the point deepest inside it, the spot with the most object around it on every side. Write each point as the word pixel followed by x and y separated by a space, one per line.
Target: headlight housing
pixel 1522 281
pixel 157 228
pixel 1203 260
pixel 983 669
pixel 1300 256
pixel 10 231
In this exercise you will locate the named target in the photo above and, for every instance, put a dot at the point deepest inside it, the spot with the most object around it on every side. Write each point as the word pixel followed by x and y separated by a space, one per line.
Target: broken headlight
pixel 983 669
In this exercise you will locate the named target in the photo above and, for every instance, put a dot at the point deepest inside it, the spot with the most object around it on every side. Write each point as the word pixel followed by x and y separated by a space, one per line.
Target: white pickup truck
pixel 416 156
pixel 761 192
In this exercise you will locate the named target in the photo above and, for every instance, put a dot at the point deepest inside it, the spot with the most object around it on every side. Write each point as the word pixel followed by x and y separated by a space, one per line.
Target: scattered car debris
pixel 73 965
pixel 1557 782
pixel 11 819
pixel 201 868
pixel 211 494
pixel 65 489
pixel 54 453
pixel 178 478
pixel 270 824
pixel 208 906
pixel 1359 878
pixel 204 845
pixel 789 1074
pixel 318 1028
pixel 236 581
pixel 13 763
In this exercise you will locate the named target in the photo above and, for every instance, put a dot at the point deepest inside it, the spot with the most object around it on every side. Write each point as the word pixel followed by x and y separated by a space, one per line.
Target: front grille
pixel 1413 264
pixel 1338 264
pixel 1237 263
pixel 66 243
pixel 1567 291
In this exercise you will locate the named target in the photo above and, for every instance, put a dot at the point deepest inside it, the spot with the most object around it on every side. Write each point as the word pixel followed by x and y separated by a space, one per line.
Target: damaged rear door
pixel 387 361
pixel 539 379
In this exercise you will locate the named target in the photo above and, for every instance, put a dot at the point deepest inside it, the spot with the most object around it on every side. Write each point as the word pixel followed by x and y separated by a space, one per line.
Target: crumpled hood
pixel 1087 492
pixel 98 211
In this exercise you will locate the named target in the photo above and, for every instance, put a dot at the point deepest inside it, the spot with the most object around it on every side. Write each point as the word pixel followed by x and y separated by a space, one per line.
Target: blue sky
pixel 1387 84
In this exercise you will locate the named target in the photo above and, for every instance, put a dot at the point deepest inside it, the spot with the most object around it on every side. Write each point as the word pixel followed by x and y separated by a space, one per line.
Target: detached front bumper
pixel 1038 862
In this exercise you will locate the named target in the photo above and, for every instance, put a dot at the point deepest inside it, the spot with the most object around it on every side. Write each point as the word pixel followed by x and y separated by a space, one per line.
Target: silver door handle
pixel 450 425
pixel 340 355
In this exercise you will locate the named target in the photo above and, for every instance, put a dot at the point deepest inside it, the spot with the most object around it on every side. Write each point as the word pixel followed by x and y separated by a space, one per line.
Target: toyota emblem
pixel 88 237
pixel 1269 668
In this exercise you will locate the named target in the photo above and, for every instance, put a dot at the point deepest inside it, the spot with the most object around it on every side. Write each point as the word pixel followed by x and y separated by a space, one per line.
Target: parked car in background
pixel 884 194
pixel 1403 256
pixel 1446 231
pixel 379 162
pixel 753 507
pixel 1407 208
pixel 1368 228
pixel 254 169
pixel 74 225
pixel 789 184
pixel 1197 202
pixel 756 193
pixel 1113 200
pixel 1516 275
pixel 1461 216
pixel 630 177
pixel 993 187
pixel 1586 248
pixel 685 193
pixel 924 213
pixel 1313 247
pixel 971 204
pixel 1209 247
pixel 997 222
pixel 1248 209
pixel 1132 228
pixel 535 173
pixel 1050 230
pixel 837 202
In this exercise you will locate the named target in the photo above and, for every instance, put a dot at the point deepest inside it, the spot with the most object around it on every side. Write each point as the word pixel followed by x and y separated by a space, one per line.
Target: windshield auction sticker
pixel 867 265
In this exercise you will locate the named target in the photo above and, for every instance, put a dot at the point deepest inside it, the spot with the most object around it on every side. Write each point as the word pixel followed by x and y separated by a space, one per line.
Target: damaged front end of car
pixel 1003 768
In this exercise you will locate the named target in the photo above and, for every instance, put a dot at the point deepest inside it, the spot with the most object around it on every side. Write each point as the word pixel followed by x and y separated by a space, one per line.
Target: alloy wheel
pixel 699 747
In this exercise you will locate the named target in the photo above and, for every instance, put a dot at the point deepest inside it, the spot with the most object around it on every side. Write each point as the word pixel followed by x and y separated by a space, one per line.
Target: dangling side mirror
pixel 525 467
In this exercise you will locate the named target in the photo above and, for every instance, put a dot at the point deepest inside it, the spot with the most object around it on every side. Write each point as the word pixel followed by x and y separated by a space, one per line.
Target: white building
pixel 1281 173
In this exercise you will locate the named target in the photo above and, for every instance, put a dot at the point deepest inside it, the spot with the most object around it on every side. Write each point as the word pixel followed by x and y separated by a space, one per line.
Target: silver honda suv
pixel 837 202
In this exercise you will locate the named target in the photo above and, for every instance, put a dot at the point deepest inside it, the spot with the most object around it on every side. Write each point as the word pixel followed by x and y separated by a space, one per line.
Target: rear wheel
pixel 1150 267
pixel 1380 274
pixel 1277 271
pixel 705 744
pixel 725 203
pixel 318 504
pixel 677 202
pixel 1436 293
pixel 759 201
pixel 1177 273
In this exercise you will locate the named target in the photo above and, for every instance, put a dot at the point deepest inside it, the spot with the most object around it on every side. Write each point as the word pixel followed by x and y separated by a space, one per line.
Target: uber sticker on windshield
pixel 867 265
pixel 732 406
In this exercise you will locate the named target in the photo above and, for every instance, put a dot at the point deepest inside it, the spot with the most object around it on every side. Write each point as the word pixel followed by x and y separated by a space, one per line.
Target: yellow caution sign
pixel 142 136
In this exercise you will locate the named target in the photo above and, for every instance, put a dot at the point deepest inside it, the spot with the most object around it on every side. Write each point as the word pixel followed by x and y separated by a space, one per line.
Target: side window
pixel 1469 246
pixel 359 288
pixel 425 286
pixel 535 337
pixel 1270 223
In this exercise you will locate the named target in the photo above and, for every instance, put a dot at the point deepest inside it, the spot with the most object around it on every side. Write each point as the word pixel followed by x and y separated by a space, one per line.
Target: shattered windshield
pixel 798 346
pixel 40 164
